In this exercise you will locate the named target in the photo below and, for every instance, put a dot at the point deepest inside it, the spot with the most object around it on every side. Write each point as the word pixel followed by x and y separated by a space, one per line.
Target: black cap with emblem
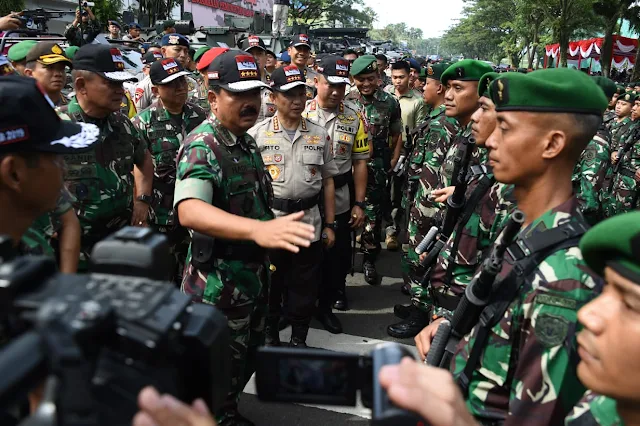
pixel 235 71
pixel 104 60
pixel 335 69
pixel 286 78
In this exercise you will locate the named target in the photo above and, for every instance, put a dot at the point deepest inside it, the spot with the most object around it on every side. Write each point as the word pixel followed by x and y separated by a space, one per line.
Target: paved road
pixel 371 311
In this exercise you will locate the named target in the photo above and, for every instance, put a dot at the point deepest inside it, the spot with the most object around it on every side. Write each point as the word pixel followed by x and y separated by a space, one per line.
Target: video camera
pixel 97 339
pixel 317 376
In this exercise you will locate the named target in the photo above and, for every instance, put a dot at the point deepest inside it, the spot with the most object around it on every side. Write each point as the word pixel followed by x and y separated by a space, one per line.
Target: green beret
pixel 607 85
pixel 614 242
pixel 628 97
pixel 485 82
pixel 71 51
pixel 619 89
pixel 548 90
pixel 364 65
pixel 435 71
pixel 465 70
pixel 200 52
pixel 18 52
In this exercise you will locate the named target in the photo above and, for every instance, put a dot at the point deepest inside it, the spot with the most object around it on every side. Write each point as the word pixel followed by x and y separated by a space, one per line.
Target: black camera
pixel 317 376
pixel 102 337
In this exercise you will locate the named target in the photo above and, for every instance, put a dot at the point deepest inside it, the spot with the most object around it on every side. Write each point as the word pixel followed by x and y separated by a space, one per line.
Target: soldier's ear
pixel 154 90
pixel 212 97
pixel 441 89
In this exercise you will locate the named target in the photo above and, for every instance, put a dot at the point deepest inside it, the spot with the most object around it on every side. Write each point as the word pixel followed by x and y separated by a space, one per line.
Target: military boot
pixel 341 303
pixel 402 311
pixel 406 289
pixel 370 273
pixel 272 334
pixel 411 326
pixel 299 336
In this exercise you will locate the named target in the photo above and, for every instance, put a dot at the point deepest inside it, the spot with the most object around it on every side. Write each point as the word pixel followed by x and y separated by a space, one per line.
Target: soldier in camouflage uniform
pixel 32 143
pixel 102 180
pixel 84 28
pixel 383 63
pixel 623 192
pixel 610 113
pixel 620 126
pixel 173 46
pixel 517 367
pixel 163 127
pixel 383 114
pixel 487 206
pixel 222 193
pixel 590 173
pixel 300 52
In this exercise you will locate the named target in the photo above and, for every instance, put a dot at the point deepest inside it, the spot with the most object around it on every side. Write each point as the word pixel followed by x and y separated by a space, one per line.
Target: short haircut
pixel 382 57
pixel 31 65
pixel 87 75
pixel 349 52
pixel 586 126
pixel 401 65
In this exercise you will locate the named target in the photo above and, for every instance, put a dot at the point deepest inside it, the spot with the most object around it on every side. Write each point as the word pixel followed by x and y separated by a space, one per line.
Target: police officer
pixel 300 51
pixel 173 46
pixel 102 180
pixel 298 155
pixel 345 124
pixel 33 140
pixel 47 63
pixel 163 127
pixel 114 29
pixel 223 194
pixel 382 112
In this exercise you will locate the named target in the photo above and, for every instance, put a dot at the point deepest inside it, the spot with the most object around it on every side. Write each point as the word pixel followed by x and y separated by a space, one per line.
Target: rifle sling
pixel 527 255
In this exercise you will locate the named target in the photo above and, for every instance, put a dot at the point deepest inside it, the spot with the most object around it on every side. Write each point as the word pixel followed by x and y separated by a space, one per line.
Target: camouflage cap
pixel 365 64
pixel 628 97
pixel 614 242
pixel 466 70
pixel 18 52
pixel 561 90
pixel 607 85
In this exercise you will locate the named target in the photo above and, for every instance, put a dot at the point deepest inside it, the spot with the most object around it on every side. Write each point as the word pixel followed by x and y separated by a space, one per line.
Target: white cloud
pixel 434 19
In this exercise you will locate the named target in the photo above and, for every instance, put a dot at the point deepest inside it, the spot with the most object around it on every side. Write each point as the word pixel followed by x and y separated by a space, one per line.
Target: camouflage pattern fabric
pixel 618 129
pixel 594 410
pixel 37 239
pixel 382 112
pixel 101 180
pixel 489 216
pixel 526 374
pixel 202 91
pixel 609 118
pixel 164 136
pixel 237 288
pixel 590 173
pixel 83 34
pixel 623 194
pixel 143 95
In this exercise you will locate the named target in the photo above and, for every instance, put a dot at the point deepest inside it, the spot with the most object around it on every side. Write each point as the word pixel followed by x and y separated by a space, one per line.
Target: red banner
pixel 227 7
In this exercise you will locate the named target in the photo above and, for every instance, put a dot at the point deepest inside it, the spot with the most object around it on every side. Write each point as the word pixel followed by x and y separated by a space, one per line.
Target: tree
pixel 8 6
pixel 610 11
pixel 349 13
pixel 107 9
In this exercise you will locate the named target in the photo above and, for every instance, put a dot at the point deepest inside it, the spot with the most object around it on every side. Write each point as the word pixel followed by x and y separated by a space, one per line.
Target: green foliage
pixel 400 33
pixel 107 9
pixel 8 6
pixel 345 13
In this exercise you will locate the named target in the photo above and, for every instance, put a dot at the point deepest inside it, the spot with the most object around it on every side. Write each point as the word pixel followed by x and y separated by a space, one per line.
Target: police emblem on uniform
pixel 274 171
pixel 56 49
pixel 277 158
pixel 174 39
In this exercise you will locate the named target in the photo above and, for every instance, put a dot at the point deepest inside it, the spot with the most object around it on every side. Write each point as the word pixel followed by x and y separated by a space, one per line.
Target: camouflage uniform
pixel 37 239
pixel 594 410
pixel 309 75
pixel 203 91
pixel 143 96
pixel 590 173
pixel 428 155
pixel 89 31
pixel 609 118
pixel 526 373
pixel 383 114
pixel 164 136
pixel 618 129
pixel 451 276
pixel 101 180
pixel 623 192
pixel 220 169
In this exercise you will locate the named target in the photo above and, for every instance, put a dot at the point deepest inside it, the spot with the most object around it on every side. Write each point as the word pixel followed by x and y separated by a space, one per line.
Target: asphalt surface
pixel 371 311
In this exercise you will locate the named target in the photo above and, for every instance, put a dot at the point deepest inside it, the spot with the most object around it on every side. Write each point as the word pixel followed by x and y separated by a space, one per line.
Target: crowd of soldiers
pixel 263 174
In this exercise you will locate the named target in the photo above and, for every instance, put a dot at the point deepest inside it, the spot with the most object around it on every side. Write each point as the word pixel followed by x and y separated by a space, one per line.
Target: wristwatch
pixel 147 199
pixel 361 204
pixel 331 225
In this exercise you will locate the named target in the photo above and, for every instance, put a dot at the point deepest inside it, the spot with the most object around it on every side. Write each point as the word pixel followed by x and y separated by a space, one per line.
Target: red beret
pixel 209 56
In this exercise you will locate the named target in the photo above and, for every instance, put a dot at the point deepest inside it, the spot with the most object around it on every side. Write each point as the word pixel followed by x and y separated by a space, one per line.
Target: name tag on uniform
pixel 346 128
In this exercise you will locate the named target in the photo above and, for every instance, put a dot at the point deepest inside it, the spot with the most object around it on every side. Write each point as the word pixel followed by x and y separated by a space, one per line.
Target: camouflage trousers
pixel 179 240
pixel 93 232
pixel 377 197
pixel 240 291
pixel 623 196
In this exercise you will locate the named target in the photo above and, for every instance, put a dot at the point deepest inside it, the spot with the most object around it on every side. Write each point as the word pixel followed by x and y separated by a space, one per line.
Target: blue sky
pixel 434 19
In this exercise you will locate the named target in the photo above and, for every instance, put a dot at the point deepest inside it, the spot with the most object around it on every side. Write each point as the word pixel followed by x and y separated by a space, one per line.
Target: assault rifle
pixel 455 205
pixel 474 300
pixel 631 140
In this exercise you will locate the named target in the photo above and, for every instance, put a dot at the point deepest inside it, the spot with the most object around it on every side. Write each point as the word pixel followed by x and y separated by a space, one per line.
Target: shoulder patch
pixel 551 330
pixel 557 301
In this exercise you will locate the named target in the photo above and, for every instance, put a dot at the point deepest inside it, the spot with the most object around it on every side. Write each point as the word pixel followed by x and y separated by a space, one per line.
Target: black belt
pixel 446 301
pixel 342 180
pixel 627 172
pixel 292 206
pixel 239 252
